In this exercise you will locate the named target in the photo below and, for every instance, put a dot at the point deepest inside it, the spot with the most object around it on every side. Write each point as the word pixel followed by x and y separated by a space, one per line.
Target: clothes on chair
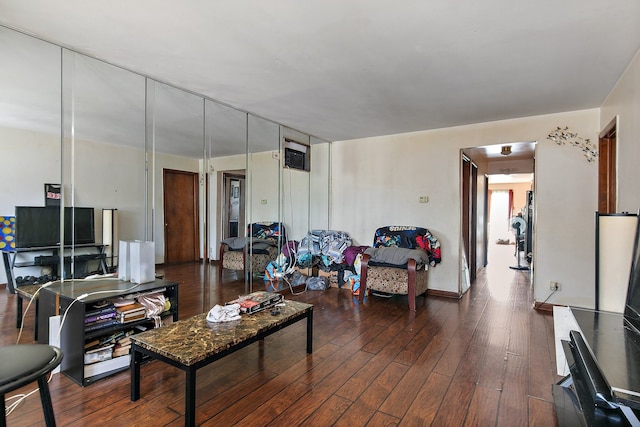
pixel 397 263
pixel 409 237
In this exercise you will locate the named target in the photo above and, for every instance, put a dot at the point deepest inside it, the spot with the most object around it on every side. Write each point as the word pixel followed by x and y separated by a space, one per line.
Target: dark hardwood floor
pixel 485 360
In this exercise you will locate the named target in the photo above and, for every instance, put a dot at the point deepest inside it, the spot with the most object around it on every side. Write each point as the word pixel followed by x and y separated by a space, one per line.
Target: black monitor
pixel 39 226
pixel 632 306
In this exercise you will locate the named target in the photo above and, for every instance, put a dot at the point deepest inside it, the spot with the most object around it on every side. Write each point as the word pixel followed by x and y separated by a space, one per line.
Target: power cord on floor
pixel 22 396
pixel 554 291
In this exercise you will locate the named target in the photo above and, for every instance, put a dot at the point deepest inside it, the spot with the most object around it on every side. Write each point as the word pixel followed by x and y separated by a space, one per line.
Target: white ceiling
pixel 355 68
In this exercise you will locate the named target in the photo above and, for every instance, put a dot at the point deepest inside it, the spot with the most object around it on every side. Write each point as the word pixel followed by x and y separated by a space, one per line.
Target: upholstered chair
pixel 252 253
pixel 398 262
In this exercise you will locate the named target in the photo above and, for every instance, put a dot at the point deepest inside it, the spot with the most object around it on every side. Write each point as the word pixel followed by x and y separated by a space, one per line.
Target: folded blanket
pixel 397 256
pixel 237 243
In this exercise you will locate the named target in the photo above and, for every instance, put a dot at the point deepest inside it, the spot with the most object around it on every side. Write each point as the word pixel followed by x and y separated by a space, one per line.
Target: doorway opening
pixel 510 220
pixel 232 209
pixel 508 170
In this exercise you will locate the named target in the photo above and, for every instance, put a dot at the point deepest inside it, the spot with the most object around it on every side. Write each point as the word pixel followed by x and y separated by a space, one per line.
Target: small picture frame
pixel 52 194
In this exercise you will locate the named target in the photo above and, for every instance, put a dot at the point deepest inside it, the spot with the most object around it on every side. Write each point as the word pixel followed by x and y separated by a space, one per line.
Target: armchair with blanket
pixel 398 262
pixel 252 253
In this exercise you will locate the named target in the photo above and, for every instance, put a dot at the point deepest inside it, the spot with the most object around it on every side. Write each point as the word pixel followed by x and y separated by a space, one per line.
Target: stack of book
pixel 107 353
pixel 122 346
pixel 131 312
pixel 256 301
pixel 100 315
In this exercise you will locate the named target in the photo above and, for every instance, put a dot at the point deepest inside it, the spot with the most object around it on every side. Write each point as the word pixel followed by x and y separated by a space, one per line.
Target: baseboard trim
pixel 444 294
pixel 545 306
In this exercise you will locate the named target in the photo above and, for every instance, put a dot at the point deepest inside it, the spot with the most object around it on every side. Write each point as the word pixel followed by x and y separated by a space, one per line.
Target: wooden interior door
pixel 607 168
pixel 181 231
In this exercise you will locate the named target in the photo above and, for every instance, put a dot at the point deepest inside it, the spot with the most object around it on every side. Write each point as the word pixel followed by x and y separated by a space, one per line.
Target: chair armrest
pixel 364 266
pixel 411 285
pixel 223 247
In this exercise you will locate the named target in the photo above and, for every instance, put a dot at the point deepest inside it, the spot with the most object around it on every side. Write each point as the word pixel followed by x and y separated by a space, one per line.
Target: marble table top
pixel 194 339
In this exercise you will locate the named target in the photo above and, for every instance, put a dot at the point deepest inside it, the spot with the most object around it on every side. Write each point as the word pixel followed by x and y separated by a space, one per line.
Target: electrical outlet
pixel 423 199
pixel 554 286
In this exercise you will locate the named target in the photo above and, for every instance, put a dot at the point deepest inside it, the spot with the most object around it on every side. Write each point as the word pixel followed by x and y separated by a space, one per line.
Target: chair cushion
pixel 19 361
pixel 394 256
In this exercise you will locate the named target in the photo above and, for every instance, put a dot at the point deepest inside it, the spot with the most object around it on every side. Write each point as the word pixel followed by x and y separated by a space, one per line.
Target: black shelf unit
pixel 64 297
pixel 42 258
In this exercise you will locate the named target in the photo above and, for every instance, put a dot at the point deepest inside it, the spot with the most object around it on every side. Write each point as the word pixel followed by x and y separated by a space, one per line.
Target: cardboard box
pixel 309 271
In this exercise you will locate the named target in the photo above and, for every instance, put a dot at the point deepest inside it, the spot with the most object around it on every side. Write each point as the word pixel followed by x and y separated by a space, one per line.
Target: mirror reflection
pixel 103 154
pixel 176 185
pixel 30 117
pixel 169 166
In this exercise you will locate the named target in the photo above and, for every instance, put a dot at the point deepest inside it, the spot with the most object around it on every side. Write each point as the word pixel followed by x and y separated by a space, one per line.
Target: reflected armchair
pixel 398 262
pixel 252 253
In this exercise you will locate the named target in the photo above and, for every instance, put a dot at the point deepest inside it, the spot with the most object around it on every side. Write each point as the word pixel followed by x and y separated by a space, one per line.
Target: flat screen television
pixel 39 226
pixel 632 306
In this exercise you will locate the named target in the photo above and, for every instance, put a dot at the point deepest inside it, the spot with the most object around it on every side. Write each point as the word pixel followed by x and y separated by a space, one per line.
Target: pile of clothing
pixel 322 246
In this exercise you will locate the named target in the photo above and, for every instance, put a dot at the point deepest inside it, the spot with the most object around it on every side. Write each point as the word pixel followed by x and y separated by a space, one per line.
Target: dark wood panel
pixel 486 359
pixel 181 233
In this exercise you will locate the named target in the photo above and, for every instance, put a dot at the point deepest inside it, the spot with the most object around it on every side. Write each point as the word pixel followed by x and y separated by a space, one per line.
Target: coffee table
pixel 193 343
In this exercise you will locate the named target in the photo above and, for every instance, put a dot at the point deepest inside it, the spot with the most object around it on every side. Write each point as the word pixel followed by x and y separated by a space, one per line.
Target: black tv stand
pixel 50 256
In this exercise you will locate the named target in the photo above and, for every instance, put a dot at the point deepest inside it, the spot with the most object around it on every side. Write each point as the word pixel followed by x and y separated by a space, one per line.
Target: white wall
pixel 264 186
pixel 320 186
pixel 377 181
pixel 295 202
pixel 30 160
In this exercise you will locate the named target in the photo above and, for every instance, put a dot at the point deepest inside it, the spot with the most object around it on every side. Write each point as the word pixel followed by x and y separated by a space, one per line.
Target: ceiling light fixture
pixel 506 150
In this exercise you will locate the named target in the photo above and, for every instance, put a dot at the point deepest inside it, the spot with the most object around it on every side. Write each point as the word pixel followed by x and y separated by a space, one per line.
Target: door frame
pixel 224 207
pixel 607 170
pixel 221 206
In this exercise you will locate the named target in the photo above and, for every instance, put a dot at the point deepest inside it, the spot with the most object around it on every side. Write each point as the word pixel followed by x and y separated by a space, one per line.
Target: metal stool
pixel 24 363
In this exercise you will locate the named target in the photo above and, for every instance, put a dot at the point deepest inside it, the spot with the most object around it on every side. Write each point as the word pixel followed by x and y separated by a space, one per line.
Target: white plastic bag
pixel 142 257
pixel 124 263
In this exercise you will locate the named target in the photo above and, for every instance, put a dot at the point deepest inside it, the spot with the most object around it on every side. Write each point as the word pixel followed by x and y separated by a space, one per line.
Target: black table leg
pixel 190 397
pixel 310 331
pixel 18 311
pixel 136 359
pixel 35 318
